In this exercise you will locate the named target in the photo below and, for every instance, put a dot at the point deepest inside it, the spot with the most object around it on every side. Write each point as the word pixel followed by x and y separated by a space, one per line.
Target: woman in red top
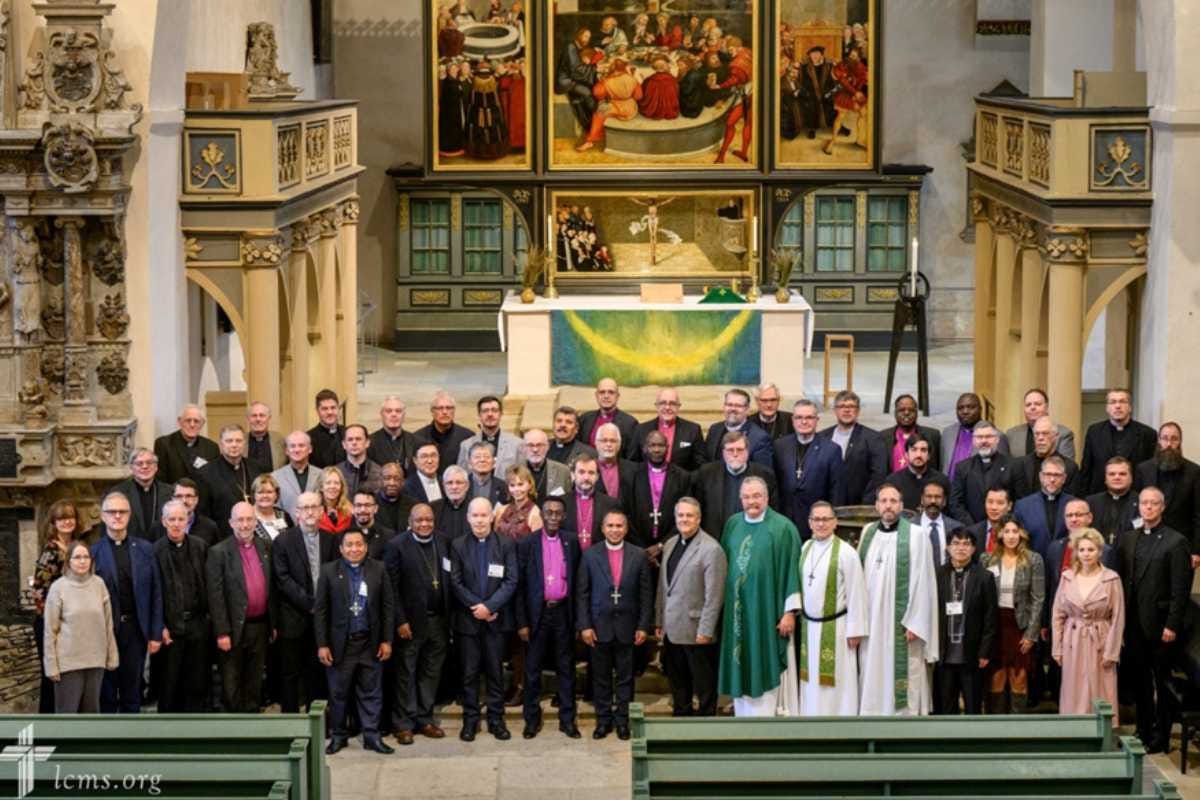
pixel 336 516
pixel 521 517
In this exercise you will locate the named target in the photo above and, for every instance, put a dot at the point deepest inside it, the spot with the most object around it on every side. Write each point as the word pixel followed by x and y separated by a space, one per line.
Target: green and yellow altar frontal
pixel 645 347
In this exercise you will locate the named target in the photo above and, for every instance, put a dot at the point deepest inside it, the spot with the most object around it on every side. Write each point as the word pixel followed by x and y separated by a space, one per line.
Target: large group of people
pixel 394 571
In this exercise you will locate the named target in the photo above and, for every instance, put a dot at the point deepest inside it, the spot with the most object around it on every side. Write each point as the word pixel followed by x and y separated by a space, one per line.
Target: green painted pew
pixel 724 736
pixel 1163 790
pixel 251 752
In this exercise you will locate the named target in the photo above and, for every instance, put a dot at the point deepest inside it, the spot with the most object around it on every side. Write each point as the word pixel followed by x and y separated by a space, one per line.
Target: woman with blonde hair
pixel 271 520
pixel 337 512
pixel 1021 589
pixel 1088 625
pixel 519 517
pixel 80 644
pixel 63 527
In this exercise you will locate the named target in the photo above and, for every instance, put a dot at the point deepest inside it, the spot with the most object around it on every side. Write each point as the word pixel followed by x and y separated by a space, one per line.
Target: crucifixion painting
pixel 649 223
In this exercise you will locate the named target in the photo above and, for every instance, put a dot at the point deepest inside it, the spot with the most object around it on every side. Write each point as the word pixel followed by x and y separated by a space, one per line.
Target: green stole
pixel 828 656
pixel 900 645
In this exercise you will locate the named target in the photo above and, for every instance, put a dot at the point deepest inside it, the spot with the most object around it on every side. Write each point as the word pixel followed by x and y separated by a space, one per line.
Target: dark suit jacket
pixel 1025 479
pixel 708 486
pixel 594 607
pixel 626 470
pixel 972 480
pixel 822 478
pixel 331 614
pixel 761 451
pixel 1103 506
pixel 147 583
pixel 935 444
pixel 1137 445
pixel 394 513
pixel 139 526
pixel 227 588
pixel 1156 586
pixel 979 532
pixel 1030 512
pixel 981 612
pixel 639 505
pixel 911 487
pixel 448 449
pixel 326 447
pixel 408 568
pixel 625 423
pixel 172 591
pixel 776 428
pixel 386 450
pixel 377 536
pixel 865 464
pixel 1183 501
pixel 687 448
pixel 602 505
pixel 293 580
pixel 202 528
pixel 176 460
pixel 450 521
pixel 499 589
pixel 531 596
pixel 414 488
pixel 221 490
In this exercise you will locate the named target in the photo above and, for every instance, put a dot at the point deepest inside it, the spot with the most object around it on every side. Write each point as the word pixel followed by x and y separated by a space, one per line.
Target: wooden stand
pixel 845 344
pixel 910 311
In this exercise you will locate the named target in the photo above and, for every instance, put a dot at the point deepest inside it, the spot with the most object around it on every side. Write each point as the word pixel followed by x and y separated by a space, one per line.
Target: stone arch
pixel 222 298
pixel 1110 293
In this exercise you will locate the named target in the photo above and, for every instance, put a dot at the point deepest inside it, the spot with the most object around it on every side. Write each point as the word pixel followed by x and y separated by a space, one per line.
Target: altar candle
pixel 549 233
pixel 754 236
pixel 912 291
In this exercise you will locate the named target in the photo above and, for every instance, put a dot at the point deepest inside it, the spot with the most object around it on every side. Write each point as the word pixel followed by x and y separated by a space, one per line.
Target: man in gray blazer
pixel 1020 437
pixel 508 449
pixel 958 438
pixel 297 476
pixel 691 590
pixel 550 478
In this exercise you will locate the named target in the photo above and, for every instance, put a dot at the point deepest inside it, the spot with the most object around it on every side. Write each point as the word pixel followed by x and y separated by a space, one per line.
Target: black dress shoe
pixel 500 731
pixel 531 730
pixel 378 746
pixel 467 734
pixel 336 744
pixel 623 732
pixel 571 730
pixel 601 731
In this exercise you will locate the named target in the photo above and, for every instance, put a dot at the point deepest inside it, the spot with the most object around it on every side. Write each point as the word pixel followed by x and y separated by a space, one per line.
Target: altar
pixel 578 340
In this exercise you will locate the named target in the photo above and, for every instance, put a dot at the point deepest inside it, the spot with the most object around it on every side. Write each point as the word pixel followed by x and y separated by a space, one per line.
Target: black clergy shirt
pixel 124 578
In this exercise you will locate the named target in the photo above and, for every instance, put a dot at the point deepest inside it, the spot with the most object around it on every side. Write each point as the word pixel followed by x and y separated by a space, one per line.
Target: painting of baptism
pixel 652 86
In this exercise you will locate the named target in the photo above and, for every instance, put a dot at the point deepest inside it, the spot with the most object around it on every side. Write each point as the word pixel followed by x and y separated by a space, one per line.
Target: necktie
pixel 937 537
pixel 991 540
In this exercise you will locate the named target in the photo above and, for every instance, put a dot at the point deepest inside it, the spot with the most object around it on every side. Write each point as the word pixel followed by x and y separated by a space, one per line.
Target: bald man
pixel 685 440
pixel 183 453
pixel 608 394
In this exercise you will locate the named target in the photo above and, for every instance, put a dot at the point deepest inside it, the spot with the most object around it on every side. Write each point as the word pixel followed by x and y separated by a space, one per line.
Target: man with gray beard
pixel 1179 480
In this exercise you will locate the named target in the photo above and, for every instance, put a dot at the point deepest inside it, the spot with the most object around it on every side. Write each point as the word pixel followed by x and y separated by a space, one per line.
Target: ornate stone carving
pixel 988 139
pixel 88 451
pixel 343 142
pixel 111 318
pixel 27 281
pixel 328 222
pixel 1139 244
pixel 108 256
pixel 114 85
pixel 350 211
pixel 521 196
pixel 214 166
pixel 53 368
pixel 33 401
pixel 54 318
pixel 783 195
pixel 1066 244
pixel 192 248
pixel 73 59
pixel 1039 154
pixel 1014 146
pixel 979 209
pixel 70 157
pixel 75 382
pixel 53 270
pixel 33 89
pixel 258 252
pixel 287 148
pixel 113 373
pixel 1025 230
pixel 316 149
pixel 1119 165
pixel 266 80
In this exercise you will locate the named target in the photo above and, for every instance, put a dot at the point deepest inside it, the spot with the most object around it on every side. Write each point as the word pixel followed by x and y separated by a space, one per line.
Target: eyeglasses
pixel 822 519
pixel 443 408
pixel 308 508
pixel 144 463
pixel 119 512
pixel 668 403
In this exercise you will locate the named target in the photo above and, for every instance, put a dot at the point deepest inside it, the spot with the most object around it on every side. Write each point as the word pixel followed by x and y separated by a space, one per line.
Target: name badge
pixel 362 589
pixel 684 444
pixel 198 462
pixel 995 570
pixel 557 491
pixel 495 570
pixel 445 564
pixel 954 609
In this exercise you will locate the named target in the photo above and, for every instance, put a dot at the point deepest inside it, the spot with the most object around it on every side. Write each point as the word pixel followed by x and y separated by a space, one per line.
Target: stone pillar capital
pixel 262 249
pixel 1065 244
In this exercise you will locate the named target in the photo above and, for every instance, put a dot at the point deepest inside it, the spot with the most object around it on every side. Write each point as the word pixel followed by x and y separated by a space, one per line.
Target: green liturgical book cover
pixel 722 294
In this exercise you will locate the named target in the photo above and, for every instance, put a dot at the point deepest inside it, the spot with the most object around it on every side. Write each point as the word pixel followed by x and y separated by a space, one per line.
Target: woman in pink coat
pixel 1089 620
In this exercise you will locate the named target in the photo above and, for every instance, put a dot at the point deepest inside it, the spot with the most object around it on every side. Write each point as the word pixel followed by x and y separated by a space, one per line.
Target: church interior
pixel 222 203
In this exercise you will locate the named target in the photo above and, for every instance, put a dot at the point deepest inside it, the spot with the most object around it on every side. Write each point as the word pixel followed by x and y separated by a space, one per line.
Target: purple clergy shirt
pixel 601 419
pixel 611 475
pixel 658 477
pixel 585 507
pixel 616 560
pixel 554 562
pixel 256 583
pixel 962 449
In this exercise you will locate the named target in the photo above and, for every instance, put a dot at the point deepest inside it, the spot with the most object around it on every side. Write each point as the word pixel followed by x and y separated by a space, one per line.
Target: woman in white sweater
pixel 80 644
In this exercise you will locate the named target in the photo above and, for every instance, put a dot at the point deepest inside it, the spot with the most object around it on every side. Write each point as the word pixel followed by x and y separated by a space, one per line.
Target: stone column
pixel 326 351
pixel 262 345
pixel 297 409
pixel 76 398
pixel 984 335
pixel 348 310
pixel 1004 358
pixel 1032 271
pixel 1067 251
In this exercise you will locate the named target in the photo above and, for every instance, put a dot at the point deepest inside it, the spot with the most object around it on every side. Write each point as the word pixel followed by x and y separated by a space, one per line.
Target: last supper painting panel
pixel 652 85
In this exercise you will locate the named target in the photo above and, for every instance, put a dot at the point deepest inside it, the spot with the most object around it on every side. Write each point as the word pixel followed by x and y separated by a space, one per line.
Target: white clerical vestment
pixel 816 697
pixel 877 667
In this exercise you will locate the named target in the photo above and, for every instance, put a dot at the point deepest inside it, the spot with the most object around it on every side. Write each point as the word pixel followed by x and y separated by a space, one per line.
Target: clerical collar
pixel 258 437
pixel 422 539
pixel 1118 496
pixel 584 495
pixel 1050 498
pixel 685 538
pixel 806 439
pixel 754 520
pixel 178 544
pixel 828 540
pixel 331 431
pixel 734 472
pixel 916 474
pixel 767 420
pixel 614 547
pixel 733 429
pixel 233 464
pixel 1119 426
pixel 886 528
pixel 491 438
pixel 1147 529
pixel 356 464
pixel 550 535
pixel 536 467
pixel 653 468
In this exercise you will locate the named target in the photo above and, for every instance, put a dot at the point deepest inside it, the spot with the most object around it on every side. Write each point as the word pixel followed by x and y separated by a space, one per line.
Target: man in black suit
pixel 767 417
pixel 1026 471
pixel 1119 435
pixel 736 410
pixel 567 444
pixel 353 624
pixel 864 457
pixel 442 430
pixel 585 506
pixel 226 480
pixel 146 493
pixel 1115 508
pixel 655 489
pixel 328 433
pixel 616 471
pixel 547 563
pixel 718 484
pixel 391 444
pixel 968 612
pixel 1156 576
pixel 608 394
pixel 808 468
pixel 997 504
pixel 484 480
pixel 917 472
pixel 184 453
pixel 614 613
pixel 425 482
pixel 450 513
pixel 393 504
pixel 483 575
pixel 365 512
pixel 244 609
pixel 184 655
pixel 297 556
pixel 685 440
pixel 418 563
pixel 201 527
pixel 985 470
pixel 905 412
pixel 1179 480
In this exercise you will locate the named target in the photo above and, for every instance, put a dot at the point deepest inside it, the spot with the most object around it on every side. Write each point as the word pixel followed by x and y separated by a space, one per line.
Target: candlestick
pixel 550 232
pixel 912 288
pixel 754 236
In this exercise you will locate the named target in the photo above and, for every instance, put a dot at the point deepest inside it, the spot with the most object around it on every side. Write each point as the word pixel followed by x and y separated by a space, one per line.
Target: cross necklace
pixel 812 571
pixel 431 565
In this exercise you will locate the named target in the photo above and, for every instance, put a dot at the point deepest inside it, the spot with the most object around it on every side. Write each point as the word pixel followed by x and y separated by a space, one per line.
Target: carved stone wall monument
pixel 266 81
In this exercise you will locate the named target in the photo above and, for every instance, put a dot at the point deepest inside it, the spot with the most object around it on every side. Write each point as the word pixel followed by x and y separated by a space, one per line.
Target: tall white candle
pixel 549 233
pixel 754 236
pixel 912 289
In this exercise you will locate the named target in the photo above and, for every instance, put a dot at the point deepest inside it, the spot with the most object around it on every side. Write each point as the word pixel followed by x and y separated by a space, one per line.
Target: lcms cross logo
pixel 25 753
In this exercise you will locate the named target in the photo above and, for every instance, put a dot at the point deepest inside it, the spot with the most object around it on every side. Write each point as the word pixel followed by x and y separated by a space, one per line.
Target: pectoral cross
pixel 616 596
pixel 550 579
pixel 655 515
pixel 435 582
